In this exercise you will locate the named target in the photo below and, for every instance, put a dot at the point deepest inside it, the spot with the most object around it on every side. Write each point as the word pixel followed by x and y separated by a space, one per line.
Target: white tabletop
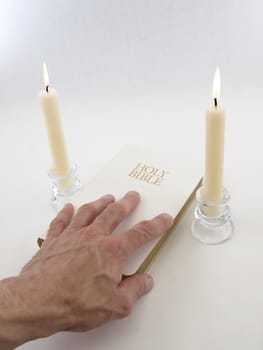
pixel 141 72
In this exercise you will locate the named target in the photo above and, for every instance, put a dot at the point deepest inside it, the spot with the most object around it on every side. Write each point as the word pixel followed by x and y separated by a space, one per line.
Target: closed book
pixel 165 182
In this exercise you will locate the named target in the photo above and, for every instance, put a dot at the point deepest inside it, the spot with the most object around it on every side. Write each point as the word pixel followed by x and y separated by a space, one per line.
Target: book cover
pixel 164 183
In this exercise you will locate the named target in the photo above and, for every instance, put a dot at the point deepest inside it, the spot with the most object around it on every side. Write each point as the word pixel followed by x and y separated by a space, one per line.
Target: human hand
pixel 75 281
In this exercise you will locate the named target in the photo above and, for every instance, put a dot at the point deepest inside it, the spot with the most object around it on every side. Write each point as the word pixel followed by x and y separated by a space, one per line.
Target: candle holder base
pixel 64 187
pixel 212 223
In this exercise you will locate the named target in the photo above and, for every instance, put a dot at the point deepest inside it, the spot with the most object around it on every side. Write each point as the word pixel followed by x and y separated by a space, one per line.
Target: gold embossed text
pixel 148 174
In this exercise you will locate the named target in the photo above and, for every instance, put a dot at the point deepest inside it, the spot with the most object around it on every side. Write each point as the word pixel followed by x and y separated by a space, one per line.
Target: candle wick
pixel 47 87
pixel 215 101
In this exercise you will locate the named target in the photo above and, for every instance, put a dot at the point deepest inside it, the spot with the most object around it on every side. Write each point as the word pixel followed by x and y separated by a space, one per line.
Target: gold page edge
pixel 149 260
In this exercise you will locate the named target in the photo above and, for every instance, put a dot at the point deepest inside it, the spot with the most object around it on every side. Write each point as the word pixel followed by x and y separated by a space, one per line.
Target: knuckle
pixel 88 208
pixel 88 231
pixel 118 247
pixel 125 306
pixel 165 220
pixel 99 223
pixel 106 245
pixel 145 229
pixel 57 223
pixel 140 285
pixel 116 209
pixel 110 247
pixel 123 251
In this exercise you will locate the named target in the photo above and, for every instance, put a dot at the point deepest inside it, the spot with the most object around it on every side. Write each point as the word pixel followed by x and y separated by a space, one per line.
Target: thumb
pixel 136 286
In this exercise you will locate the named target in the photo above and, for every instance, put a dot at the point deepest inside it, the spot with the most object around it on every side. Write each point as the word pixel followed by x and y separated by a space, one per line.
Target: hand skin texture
pixel 75 281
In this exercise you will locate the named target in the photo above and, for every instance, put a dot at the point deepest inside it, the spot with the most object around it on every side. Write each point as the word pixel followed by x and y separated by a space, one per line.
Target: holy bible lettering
pixel 148 174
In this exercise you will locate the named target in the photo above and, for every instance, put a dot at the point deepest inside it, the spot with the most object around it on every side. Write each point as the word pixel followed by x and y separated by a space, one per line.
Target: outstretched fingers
pixel 133 287
pixel 127 242
pixel 116 212
pixel 61 221
pixel 87 213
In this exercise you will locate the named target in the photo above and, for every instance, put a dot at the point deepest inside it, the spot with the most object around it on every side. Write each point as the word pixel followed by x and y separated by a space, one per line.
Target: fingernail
pixel 132 194
pixel 67 205
pixel 148 283
pixel 108 197
pixel 167 217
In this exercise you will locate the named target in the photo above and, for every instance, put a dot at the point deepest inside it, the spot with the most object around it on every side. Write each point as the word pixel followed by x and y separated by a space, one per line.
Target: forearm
pixel 21 318
pixel 9 311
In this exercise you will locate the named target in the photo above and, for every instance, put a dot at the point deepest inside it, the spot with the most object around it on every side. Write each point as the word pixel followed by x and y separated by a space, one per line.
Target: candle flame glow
pixel 216 84
pixel 45 74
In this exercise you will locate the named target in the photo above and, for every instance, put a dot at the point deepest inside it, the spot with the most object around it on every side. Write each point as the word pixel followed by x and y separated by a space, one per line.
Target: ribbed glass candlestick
pixel 64 187
pixel 212 223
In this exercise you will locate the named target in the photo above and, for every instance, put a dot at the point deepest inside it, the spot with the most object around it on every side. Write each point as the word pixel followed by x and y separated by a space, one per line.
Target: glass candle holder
pixel 64 187
pixel 212 223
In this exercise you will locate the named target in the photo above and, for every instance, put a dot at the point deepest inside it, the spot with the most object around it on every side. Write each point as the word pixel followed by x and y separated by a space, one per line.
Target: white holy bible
pixel 165 184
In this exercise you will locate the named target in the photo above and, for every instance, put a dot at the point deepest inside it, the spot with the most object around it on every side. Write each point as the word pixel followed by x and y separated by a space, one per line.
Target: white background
pixel 141 72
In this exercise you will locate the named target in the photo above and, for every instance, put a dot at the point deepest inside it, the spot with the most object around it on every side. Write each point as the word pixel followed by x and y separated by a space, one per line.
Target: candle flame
pixel 45 75
pixel 216 84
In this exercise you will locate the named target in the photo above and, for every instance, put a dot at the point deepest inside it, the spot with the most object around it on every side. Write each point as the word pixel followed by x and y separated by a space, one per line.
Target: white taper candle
pixel 49 100
pixel 215 134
